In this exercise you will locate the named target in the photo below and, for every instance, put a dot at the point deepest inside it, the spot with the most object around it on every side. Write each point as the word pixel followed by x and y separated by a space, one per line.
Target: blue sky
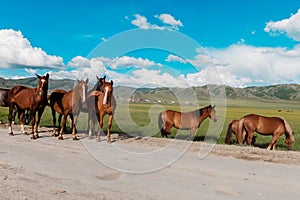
pixel 247 42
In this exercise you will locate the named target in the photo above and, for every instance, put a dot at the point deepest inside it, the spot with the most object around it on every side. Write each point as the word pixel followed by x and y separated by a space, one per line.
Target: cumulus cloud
pixel 247 64
pixel 17 52
pixel 168 20
pixel 141 22
pixel 290 27
pixel 126 61
pixel 174 58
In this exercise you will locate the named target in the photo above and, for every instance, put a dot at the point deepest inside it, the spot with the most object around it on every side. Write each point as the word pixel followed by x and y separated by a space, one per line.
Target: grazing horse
pixel 233 128
pixel 184 121
pixel 68 104
pixel 104 104
pixel 33 99
pixel 4 103
pixel 274 126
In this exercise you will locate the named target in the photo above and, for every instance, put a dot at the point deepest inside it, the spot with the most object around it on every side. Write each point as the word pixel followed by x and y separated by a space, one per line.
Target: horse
pixel 275 126
pixel 33 99
pixel 233 128
pixel 184 120
pixel 68 104
pixel 104 104
pixel 4 103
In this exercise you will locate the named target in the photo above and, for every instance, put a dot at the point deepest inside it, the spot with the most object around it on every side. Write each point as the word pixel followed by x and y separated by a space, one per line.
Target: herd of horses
pixel 30 104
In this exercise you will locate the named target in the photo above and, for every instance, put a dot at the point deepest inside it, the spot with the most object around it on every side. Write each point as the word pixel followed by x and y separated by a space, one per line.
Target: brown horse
pixel 233 128
pixel 274 126
pixel 33 99
pixel 68 104
pixel 184 121
pixel 104 104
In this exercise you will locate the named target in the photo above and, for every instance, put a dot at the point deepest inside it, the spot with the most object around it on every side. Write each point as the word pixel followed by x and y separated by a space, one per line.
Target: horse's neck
pixel 76 94
pixel 203 115
pixel 40 93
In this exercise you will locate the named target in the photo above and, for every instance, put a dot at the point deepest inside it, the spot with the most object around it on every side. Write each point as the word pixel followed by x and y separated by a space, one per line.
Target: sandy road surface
pixel 47 168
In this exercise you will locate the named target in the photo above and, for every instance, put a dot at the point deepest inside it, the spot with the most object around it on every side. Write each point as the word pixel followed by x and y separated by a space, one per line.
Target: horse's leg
pixel 60 137
pixel 272 144
pixel 101 125
pixel 74 131
pixel 249 137
pixel 20 116
pixel 166 129
pixel 108 127
pixel 37 123
pixel 33 116
pixel 10 116
pixel 14 113
pixel 192 133
pixel 54 121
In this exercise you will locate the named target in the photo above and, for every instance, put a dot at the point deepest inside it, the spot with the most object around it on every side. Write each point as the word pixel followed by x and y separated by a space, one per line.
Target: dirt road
pixel 47 168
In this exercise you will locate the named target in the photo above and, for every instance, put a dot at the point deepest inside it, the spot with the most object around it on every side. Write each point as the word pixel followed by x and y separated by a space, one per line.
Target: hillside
pixel 273 92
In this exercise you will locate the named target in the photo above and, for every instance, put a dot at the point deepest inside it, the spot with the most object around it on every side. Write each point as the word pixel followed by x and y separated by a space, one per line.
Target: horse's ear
pixel 77 80
pixel 111 81
pixel 47 76
pixel 213 106
pixel 97 78
pixel 38 76
pixel 87 80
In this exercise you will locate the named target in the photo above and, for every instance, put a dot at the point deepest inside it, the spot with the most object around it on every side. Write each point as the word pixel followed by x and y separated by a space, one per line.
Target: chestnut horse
pixel 233 128
pixel 32 99
pixel 274 126
pixel 184 121
pixel 104 104
pixel 68 104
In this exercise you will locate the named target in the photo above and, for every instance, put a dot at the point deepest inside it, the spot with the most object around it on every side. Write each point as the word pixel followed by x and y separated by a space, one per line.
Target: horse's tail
pixel 239 133
pixel 161 125
pixel 289 130
pixel 229 133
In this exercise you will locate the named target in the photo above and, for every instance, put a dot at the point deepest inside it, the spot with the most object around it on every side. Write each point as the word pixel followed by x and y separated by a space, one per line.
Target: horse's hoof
pixel 11 134
pixel 60 138
pixel 32 137
pixel 109 141
pixel 75 138
pixel 25 133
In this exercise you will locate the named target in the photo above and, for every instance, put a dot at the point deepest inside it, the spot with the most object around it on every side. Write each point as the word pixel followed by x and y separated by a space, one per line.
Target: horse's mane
pixel 289 130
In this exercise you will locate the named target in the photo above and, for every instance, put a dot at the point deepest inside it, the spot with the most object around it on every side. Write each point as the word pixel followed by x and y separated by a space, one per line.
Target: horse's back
pixel 263 124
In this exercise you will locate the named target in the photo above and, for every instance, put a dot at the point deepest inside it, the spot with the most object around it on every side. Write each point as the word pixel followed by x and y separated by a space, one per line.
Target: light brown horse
pixel 275 126
pixel 233 128
pixel 104 104
pixel 33 99
pixel 184 121
pixel 68 104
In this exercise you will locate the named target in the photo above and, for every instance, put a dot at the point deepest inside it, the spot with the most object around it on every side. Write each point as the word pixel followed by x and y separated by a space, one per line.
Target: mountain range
pixel 272 92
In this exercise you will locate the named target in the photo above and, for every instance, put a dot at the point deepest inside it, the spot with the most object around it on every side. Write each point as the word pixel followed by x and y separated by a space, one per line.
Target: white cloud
pixel 246 64
pixel 31 71
pixel 174 58
pixel 17 52
pixel 290 27
pixel 169 20
pixel 126 61
pixel 142 23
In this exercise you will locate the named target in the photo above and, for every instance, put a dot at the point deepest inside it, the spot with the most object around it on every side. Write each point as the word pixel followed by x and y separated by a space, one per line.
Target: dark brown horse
pixel 33 99
pixel 68 104
pixel 233 128
pixel 184 121
pixel 104 104
pixel 4 103
pixel 275 126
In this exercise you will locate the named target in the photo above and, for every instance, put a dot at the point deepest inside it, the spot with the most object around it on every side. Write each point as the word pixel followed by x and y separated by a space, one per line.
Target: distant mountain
pixel 273 92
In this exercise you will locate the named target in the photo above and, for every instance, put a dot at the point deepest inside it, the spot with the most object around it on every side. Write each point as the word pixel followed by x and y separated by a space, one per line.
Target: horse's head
pixel 99 84
pixel 43 84
pixel 107 90
pixel 212 112
pixel 82 87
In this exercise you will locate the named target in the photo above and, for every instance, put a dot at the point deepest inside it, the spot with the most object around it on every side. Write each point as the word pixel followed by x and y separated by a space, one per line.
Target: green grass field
pixel 141 119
